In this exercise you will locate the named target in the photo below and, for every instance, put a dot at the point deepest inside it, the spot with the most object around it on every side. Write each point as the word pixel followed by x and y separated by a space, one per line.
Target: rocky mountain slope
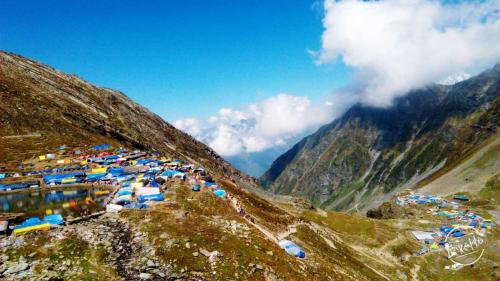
pixel 361 159
pixel 41 107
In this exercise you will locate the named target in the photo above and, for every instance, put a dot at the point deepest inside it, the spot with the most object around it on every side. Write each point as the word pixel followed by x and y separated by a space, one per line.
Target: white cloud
pixel 189 125
pixel 265 124
pixel 398 45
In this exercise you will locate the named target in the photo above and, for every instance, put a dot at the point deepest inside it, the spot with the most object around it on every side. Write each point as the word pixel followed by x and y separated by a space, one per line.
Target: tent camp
pixel 423 236
pixel 101 147
pixel 292 248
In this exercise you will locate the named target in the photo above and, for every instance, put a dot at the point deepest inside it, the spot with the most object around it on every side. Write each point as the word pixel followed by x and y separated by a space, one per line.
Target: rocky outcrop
pixel 389 210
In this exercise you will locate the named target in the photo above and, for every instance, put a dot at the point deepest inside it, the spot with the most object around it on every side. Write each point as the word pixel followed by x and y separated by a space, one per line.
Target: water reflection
pixel 72 202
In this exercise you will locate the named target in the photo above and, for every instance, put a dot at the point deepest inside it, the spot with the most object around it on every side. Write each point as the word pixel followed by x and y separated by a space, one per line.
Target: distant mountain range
pixel 256 164
pixel 361 159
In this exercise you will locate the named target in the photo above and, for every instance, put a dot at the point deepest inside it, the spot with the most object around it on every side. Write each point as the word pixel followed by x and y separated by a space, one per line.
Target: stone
pixel 150 263
pixel 205 252
pixel 213 256
pixel 20 266
pixel 145 276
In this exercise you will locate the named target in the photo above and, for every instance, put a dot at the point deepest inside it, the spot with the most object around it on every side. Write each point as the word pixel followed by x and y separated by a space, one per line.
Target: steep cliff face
pixel 361 159
pixel 41 107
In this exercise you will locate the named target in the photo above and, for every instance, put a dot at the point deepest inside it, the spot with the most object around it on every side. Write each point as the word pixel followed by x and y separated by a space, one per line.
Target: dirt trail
pixel 322 232
pixel 239 209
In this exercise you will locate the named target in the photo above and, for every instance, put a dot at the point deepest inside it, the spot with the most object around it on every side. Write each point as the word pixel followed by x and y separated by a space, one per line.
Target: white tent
pixel 423 235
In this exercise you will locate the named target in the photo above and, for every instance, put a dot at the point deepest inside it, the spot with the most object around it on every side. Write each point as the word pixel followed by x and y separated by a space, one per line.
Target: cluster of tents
pixel 34 224
pixel 19 185
pixel 461 220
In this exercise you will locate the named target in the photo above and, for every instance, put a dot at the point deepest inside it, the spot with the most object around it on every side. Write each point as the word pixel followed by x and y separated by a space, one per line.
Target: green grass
pixel 491 190
pixel 371 233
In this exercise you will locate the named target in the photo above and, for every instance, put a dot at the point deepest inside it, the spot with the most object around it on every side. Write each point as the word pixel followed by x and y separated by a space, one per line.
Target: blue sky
pixel 178 58
pixel 239 74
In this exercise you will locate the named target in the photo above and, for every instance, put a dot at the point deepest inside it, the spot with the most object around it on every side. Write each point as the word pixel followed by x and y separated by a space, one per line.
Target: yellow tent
pixel 99 170
pixel 84 162
pixel 48 212
pixel 68 180
pixel 27 229
pixel 41 157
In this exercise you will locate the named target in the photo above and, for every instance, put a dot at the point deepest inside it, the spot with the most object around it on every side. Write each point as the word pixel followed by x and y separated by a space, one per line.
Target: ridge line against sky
pixel 248 76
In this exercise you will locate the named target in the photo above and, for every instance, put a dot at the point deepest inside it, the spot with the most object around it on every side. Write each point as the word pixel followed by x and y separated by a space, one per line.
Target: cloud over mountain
pixel 267 123
pixel 398 45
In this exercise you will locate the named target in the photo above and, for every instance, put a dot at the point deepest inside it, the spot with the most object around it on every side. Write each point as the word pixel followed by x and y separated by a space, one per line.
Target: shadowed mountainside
pixel 360 160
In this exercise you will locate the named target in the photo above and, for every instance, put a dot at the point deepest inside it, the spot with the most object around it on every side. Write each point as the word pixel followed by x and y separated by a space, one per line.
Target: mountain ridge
pixel 38 98
pixel 377 150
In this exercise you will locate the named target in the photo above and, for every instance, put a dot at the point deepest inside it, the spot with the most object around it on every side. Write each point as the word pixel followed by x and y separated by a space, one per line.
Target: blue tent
pixel 143 161
pixel 220 192
pixel 169 173
pixel 112 157
pixel 150 197
pixel 136 206
pixel 116 171
pixel 95 177
pixel 461 197
pixel 124 192
pixel 292 248
pixel 445 229
pixel 29 222
pixel 124 199
pixel 55 219
pixel 473 223
pixel 196 188
pixel 57 178
pixel 101 146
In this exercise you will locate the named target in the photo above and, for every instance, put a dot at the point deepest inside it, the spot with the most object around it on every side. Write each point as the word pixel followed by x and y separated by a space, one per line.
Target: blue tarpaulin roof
pixel 101 146
pixel 55 219
pixel 58 177
pixel 116 171
pixel 91 177
pixel 150 197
